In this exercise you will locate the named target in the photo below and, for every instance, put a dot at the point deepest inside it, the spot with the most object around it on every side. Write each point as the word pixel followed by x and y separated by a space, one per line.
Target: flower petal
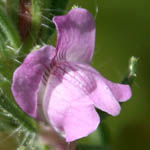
pixel 104 98
pixel 76 36
pixel 72 89
pixel 66 103
pixel 81 119
pixel 108 93
pixel 122 92
pixel 27 78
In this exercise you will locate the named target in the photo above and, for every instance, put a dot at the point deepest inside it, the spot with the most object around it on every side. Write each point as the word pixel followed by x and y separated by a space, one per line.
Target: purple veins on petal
pixel 27 78
pixel 76 36
pixel 65 97
pixel 60 87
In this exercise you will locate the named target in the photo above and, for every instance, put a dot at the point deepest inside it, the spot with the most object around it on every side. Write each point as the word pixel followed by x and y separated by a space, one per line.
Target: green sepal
pixel 131 71
pixel 8 104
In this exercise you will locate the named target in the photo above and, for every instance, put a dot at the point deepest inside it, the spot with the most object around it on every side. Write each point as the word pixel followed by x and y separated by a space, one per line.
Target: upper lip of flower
pixel 64 84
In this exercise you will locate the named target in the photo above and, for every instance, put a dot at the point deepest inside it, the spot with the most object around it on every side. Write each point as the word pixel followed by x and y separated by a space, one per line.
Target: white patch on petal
pixel 40 101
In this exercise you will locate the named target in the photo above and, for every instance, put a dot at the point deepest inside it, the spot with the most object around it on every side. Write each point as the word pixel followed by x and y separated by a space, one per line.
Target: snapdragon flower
pixel 60 87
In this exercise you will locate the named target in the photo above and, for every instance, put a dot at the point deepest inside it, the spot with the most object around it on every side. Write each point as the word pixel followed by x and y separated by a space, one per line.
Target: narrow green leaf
pixel 50 9
pixel 7 67
pixel 13 10
pixel 2 45
pixel 9 29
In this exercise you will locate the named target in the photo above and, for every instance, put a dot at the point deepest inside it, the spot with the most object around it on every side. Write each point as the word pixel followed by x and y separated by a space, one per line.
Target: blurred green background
pixel 123 30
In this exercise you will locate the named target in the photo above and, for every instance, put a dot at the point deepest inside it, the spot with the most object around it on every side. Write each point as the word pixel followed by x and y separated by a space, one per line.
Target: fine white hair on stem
pixel 24 139
pixel 96 9
pixel 58 10
pixel 17 61
pixel 10 47
pixel 33 138
pixel 46 18
pixel 14 132
pixel 18 50
pixel 3 78
pixel 47 26
pixel 42 42
pixel 44 25
pixel 13 49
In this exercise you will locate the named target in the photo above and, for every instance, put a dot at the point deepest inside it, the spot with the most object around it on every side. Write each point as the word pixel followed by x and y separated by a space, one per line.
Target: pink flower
pixel 58 85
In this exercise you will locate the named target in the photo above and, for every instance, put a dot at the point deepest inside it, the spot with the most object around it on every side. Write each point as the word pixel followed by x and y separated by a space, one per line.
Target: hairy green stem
pixel 16 113
pixel 35 27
